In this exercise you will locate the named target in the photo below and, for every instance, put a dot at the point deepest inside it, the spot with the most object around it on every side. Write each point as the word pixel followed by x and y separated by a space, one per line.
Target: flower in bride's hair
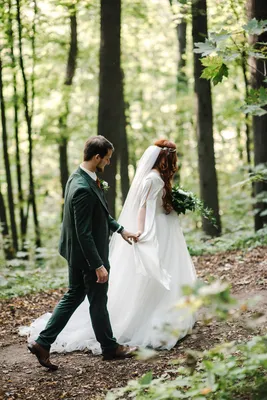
pixel 104 185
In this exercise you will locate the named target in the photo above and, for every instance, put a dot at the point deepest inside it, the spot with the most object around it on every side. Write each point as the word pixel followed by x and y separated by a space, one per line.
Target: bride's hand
pixel 128 236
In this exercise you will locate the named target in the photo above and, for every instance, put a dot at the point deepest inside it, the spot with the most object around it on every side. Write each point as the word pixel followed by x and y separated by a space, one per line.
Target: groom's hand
pixel 102 275
pixel 129 237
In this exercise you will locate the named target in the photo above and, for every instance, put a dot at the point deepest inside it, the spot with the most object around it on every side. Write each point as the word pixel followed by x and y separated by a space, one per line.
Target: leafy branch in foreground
pixel 258 174
pixel 183 200
pixel 257 98
pixel 227 46
pixel 227 371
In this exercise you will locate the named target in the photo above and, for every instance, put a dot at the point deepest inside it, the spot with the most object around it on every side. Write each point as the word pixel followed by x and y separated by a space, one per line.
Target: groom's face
pixel 104 161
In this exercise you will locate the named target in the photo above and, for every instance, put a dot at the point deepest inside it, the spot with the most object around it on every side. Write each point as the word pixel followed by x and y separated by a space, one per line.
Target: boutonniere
pixel 104 185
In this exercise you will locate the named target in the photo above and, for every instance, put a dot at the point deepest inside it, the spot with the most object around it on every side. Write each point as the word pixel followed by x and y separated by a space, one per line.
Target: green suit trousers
pixel 81 284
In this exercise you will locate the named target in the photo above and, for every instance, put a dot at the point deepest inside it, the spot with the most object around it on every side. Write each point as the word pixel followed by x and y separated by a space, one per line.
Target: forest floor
pixel 82 375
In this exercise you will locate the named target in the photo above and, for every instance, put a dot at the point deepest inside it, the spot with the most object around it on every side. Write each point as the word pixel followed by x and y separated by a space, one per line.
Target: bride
pixel 146 279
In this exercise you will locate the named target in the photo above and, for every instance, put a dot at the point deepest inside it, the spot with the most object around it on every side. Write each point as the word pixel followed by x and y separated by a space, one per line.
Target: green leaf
pixel 256 54
pixel 255 27
pixel 3 281
pixel 183 200
pixel 221 36
pixel 253 109
pixel 205 48
pixel 215 69
pixel 232 56
pixel 263 213
pixel 262 95
pixel 146 379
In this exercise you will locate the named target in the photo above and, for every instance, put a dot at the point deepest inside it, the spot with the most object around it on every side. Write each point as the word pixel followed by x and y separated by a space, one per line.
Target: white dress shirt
pixel 90 173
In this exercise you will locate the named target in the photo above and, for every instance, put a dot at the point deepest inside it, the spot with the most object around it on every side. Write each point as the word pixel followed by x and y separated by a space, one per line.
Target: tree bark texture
pixel 28 118
pixel 11 205
pixel 70 72
pixel 8 249
pixel 181 37
pixel 258 9
pixel 109 111
pixel 206 155
pixel 16 124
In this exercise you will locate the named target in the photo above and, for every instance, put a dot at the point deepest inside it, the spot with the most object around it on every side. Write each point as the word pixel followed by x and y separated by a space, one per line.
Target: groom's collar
pixel 88 178
pixel 90 173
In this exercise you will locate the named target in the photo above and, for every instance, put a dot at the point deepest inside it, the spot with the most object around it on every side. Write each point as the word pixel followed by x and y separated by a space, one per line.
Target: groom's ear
pixel 98 157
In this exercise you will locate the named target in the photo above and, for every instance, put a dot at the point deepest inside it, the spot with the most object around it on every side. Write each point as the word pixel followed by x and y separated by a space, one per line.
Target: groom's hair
pixel 96 145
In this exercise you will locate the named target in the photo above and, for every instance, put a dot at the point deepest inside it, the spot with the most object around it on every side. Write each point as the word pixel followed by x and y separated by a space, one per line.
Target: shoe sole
pixel 49 366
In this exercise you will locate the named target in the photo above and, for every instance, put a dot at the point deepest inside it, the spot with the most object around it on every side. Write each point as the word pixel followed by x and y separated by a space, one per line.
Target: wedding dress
pixel 146 279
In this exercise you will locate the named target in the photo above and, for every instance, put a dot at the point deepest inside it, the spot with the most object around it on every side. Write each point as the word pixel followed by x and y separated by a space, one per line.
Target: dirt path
pixel 84 376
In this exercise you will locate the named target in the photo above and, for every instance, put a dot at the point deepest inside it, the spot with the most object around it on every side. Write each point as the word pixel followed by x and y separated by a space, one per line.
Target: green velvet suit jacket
pixel 86 226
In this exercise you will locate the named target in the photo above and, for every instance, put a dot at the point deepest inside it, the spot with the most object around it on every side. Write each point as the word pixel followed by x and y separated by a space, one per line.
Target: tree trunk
pixel 28 117
pixel 109 111
pixel 247 125
pixel 258 10
pixel 33 35
pixel 73 51
pixel 70 72
pixel 63 161
pixel 239 143
pixel 181 40
pixel 181 37
pixel 181 80
pixel 16 124
pixel 9 254
pixel 11 205
pixel 206 156
pixel 3 217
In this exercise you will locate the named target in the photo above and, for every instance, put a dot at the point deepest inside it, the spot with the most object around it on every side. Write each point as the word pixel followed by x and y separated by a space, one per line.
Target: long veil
pixel 143 257
pixel 128 216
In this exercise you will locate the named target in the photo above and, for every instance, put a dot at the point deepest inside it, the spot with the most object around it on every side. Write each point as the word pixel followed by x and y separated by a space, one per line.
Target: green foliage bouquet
pixel 183 200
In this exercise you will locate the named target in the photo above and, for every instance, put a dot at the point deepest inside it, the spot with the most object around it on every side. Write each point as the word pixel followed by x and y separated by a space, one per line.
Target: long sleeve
pixel 145 196
pixel 83 205
pixel 113 225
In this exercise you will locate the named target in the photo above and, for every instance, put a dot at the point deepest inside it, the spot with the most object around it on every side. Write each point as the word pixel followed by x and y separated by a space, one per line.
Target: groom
pixel 84 243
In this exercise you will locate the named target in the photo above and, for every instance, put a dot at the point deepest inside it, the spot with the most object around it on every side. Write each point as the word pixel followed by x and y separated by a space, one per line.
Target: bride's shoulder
pixel 153 176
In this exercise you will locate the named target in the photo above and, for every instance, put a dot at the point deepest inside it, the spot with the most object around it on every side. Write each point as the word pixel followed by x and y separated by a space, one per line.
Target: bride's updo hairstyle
pixel 166 164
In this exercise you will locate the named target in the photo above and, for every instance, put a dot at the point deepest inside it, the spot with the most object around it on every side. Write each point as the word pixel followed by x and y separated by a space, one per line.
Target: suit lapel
pixel 94 187
pixel 104 197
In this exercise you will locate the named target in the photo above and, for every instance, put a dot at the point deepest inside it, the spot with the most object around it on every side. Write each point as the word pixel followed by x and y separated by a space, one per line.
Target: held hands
pixel 129 237
pixel 102 275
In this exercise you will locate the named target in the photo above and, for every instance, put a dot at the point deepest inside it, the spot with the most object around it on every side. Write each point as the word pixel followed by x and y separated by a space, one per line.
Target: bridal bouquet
pixel 183 200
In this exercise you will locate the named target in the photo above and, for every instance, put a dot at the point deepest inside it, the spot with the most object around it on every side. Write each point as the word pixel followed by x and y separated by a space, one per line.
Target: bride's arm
pixel 141 217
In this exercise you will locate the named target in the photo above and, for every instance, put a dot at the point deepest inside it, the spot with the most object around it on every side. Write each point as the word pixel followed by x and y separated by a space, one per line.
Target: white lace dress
pixel 145 283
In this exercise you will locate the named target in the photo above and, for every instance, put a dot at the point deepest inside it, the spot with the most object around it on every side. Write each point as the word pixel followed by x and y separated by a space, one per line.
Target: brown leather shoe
pixel 120 353
pixel 42 355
